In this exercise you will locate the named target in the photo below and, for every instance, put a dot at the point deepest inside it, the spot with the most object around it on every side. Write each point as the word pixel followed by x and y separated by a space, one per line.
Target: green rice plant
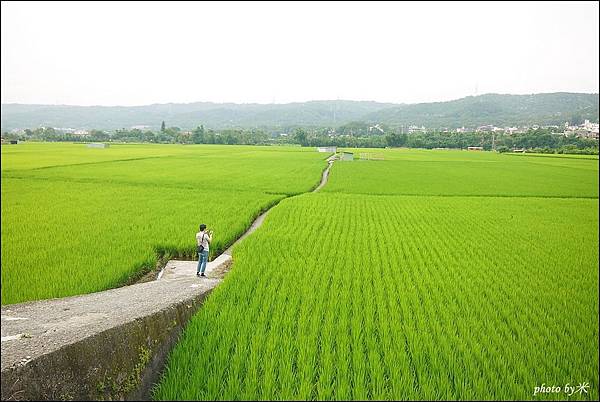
pixel 349 296
pixel 95 221
pixel 465 173
pixel 39 155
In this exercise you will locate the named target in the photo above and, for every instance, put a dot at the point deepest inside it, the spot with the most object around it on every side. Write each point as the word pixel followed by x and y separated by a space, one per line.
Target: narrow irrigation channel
pixel 106 345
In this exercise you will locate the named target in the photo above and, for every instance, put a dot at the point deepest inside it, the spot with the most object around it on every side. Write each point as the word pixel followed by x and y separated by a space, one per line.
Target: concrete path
pixel 34 328
pixel 105 345
pixel 325 176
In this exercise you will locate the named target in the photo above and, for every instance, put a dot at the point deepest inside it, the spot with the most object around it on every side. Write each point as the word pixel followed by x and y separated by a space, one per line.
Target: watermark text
pixel 567 389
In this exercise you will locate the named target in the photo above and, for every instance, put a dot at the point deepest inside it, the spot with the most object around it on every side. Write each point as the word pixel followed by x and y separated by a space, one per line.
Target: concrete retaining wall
pixel 107 345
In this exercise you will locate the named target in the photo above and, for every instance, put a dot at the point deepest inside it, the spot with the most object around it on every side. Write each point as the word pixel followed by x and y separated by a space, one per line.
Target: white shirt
pixel 203 239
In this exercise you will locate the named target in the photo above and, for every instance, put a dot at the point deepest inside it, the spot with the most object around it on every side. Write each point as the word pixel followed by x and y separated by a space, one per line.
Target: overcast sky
pixel 142 53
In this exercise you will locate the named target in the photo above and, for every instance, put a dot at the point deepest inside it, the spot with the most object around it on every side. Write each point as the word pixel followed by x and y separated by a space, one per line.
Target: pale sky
pixel 142 53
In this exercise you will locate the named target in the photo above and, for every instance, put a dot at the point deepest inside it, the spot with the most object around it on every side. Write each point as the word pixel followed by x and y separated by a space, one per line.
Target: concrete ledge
pixel 177 269
pixel 106 345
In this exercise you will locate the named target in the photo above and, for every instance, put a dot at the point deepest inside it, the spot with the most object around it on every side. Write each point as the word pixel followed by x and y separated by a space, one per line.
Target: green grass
pixel 265 172
pixel 462 173
pixel 97 222
pixel 33 155
pixel 416 296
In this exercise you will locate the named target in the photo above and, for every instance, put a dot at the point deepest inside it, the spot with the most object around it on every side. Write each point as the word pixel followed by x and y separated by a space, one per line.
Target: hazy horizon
pixel 137 54
pixel 287 103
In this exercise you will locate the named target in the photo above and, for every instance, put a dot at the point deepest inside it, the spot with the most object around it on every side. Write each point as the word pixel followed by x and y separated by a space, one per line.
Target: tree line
pixel 357 135
pixel 539 140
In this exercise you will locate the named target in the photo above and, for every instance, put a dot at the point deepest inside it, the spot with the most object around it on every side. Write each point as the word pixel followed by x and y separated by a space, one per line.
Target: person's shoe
pixel 202 274
pixel 197 273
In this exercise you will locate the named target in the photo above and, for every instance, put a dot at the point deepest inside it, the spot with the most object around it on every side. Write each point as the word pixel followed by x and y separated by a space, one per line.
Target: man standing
pixel 203 240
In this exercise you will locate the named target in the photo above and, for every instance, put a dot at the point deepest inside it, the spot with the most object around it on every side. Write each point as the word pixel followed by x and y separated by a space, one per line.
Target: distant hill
pixel 189 115
pixel 501 110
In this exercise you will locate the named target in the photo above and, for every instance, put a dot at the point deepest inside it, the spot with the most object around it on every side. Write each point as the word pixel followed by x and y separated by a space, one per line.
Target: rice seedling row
pixel 463 173
pixel 392 297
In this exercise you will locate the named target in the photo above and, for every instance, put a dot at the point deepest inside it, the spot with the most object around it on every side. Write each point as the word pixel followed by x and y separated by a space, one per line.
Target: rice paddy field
pixel 463 173
pixel 428 275
pixel 78 220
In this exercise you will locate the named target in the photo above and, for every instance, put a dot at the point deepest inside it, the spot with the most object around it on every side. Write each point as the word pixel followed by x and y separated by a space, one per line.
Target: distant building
pixel 330 150
pixel 475 148
pixel 591 129
pixel 416 129
pixel 585 130
pixel 81 132
pixel 484 129
pixel 97 145
pixel 347 156
pixel 66 130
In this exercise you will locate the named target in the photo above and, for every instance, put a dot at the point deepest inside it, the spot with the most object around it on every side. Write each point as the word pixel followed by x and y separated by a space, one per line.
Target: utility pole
pixel 334 107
